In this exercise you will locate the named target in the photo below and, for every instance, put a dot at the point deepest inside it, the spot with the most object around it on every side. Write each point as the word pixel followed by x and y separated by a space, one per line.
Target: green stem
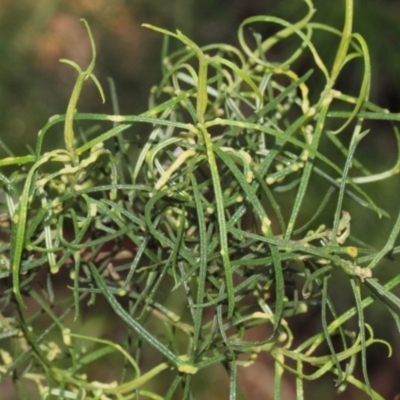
pixel 344 42
pixel 69 118
pixel 76 92
pixel 223 235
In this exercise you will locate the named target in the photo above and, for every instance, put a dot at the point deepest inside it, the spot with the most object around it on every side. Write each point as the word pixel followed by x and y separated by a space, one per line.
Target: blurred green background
pixel 35 34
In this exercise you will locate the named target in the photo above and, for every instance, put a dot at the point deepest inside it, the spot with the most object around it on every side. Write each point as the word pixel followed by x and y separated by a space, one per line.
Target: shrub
pixel 201 232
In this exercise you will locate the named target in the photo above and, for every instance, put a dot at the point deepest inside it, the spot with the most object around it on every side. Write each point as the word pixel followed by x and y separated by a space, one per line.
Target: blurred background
pixel 35 34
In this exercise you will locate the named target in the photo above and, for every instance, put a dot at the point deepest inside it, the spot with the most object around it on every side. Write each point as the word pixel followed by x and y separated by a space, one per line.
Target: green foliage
pixel 213 207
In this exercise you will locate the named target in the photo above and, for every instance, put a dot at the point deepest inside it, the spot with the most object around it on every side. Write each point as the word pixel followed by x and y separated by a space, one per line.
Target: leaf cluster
pixel 211 205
